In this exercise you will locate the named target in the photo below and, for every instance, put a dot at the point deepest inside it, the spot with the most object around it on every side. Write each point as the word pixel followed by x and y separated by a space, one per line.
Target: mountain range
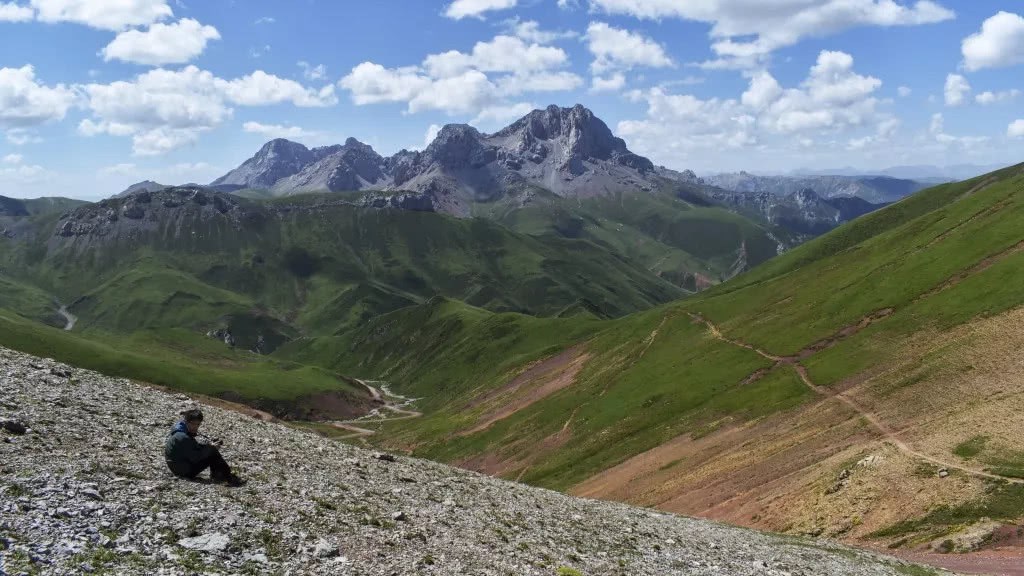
pixel 564 152
pixel 653 339
pixel 874 189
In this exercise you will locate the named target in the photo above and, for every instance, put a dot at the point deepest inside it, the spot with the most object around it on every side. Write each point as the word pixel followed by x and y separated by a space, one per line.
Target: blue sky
pixel 98 94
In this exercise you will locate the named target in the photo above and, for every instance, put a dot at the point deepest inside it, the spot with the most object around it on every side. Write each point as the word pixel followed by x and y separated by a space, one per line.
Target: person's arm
pixel 193 451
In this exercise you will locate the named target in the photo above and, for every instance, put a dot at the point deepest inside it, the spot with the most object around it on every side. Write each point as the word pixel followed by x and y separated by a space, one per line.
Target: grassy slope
pixel 176 359
pixel 656 375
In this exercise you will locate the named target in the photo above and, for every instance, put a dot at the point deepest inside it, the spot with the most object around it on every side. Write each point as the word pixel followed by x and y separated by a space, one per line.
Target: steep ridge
pixel 874 189
pixel 105 502
pixel 872 398
pixel 553 153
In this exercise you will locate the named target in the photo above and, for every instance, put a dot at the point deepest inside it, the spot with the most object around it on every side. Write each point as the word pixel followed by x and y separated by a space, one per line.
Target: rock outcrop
pixel 83 489
pixel 568 151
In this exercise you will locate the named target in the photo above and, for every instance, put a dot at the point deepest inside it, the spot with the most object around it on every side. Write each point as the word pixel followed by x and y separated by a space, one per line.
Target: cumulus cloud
pixel 13 169
pixel 610 84
pixel 25 102
pixel 617 49
pixel 904 91
pixel 744 31
pixel 501 115
pixel 1016 129
pixel 103 14
pixel 11 12
pixel 174 43
pixel 163 110
pixel 460 9
pixel 1000 43
pixel 531 31
pixel 989 97
pixel 831 101
pixel 956 90
pixel 310 72
pixel 371 83
pixel 432 131
pixel 480 82
pixel 13 159
pixel 502 54
pixel 276 130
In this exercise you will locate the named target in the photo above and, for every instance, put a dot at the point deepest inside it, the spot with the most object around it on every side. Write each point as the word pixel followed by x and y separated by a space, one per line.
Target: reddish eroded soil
pixel 998 562
pixel 536 383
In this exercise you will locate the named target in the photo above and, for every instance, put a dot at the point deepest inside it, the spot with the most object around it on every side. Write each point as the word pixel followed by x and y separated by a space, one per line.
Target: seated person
pixel 186 457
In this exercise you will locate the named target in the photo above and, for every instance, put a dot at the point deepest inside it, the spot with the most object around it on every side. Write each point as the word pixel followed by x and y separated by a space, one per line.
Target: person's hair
pixel 194 415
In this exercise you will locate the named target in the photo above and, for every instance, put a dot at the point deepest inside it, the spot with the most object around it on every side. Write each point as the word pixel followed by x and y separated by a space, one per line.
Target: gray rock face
pixel 566 150
pixel 874 189
pixel 803 211
pixel 317 506
pixel 214 542
pixel 277 159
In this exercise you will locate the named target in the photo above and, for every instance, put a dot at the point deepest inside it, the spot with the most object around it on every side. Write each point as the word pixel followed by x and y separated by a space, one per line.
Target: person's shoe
pixel 234 481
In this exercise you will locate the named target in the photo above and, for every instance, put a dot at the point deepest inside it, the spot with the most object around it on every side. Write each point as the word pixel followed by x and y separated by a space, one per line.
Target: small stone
pixel 14 427
pixel 943 472
pixel 399 517
pixel 213 542
pixel 384 456
pixel 325 549
pixel 92 494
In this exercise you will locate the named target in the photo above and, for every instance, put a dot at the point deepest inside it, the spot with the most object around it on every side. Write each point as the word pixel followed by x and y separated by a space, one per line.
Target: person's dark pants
pixel 219 469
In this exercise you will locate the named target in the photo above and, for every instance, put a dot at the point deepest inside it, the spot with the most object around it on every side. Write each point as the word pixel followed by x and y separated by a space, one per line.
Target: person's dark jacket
pixel 182 452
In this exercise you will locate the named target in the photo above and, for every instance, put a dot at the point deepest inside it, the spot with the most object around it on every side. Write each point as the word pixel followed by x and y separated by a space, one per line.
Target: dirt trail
pixel 887 432
pixel 393 403
pixel 69 319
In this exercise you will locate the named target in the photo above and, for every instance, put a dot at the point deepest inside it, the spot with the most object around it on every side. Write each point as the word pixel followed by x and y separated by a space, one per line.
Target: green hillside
pixel 886 291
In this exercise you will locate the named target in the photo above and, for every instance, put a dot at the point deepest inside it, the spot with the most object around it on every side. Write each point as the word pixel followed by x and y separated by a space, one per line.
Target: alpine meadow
pixel 753 308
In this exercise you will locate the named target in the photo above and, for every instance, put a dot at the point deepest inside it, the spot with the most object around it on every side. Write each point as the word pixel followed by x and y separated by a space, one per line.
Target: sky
pixel 98 94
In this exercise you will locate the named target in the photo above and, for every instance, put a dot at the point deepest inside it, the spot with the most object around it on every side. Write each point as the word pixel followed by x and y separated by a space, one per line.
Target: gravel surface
pixel 83 489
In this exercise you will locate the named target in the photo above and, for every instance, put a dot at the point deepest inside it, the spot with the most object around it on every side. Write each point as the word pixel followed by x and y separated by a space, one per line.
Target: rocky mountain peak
pixel 277 159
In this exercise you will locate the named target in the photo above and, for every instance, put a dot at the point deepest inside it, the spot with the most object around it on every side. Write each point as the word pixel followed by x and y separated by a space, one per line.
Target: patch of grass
pixel 566 571
pixel 1002 502
pixel 971 448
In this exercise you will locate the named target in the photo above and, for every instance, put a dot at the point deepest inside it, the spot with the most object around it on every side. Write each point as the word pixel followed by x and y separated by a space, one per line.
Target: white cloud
pixel 265 20
pixel 25 102
pixel 956 90
pixel 937 129
pixel 103 14
pixel 276 130
pixel 174 43
pixel 460 9
pixel 467 93
pixel 616 49
pixel 502 114
pixel 502 54
pixel 776 24
pixel 21 173
pixel 162 109
pixel 989 97
pixel 372 83
pixel 1000 43
pixel 21 137
pixel 1016 129
pixel 530 31
pixel 904 91
pixel 610 84
pixel 310 72
pixel 13 159
pixel 432 131
pixel 11 12
pixel 481 82
pixel 832 101
pixel 539 82
pixel 123 169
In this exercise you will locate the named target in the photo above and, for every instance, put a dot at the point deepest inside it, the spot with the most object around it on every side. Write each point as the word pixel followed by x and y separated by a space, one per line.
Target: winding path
pixel 69 318
pixel 888 433
pixel 392 403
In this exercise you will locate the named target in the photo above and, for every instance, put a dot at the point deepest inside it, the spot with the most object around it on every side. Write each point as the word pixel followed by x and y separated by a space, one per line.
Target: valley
pixel 665 343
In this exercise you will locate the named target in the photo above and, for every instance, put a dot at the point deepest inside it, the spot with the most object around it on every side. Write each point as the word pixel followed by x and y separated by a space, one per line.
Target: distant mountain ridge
pixel 568 151
pixel 874 189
